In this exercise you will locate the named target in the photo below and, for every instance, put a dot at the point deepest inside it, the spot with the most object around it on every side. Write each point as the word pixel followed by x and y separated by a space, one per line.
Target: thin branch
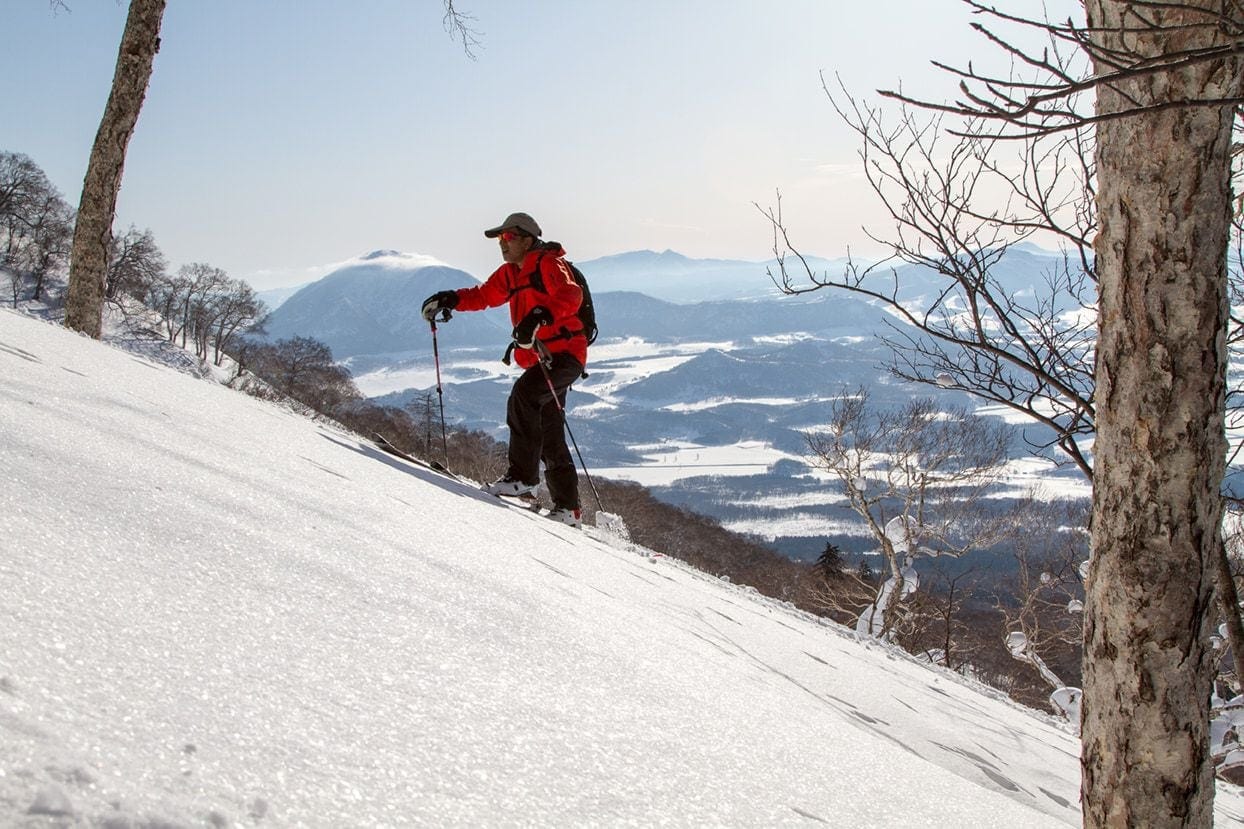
pixel 458 25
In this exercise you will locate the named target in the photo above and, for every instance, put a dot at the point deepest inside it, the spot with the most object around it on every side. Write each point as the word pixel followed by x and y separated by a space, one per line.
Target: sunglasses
pixel 511 235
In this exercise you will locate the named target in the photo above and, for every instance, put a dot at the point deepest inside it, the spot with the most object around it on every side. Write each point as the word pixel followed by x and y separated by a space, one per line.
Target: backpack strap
pixel 536 282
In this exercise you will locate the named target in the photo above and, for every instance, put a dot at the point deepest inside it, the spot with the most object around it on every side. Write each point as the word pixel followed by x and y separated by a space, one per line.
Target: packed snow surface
pixel 216 612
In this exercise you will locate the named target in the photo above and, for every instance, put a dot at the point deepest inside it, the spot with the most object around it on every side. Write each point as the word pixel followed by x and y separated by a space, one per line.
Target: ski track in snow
pixel 213 611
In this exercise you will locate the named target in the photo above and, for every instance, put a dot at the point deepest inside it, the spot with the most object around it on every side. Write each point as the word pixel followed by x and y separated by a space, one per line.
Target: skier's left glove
pixel 525 332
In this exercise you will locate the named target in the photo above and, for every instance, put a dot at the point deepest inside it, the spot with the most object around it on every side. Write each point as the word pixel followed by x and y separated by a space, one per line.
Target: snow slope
pixel 214 612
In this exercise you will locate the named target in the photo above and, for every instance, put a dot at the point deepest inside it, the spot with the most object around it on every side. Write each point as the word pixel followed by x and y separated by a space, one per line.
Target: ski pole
pixel 440 392
pixel 545 359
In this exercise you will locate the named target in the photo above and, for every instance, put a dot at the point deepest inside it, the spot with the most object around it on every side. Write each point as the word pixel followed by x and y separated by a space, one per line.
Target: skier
pixel 544 300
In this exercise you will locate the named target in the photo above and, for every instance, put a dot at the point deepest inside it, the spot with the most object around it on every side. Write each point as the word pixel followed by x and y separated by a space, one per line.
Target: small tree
pixel 938 629
pixel 422 409
pixel 829 564
pixel 844 596
pixel 198 311
pixel 167 295
pixel 237 309
pixel 135 264
pixel 1043 608
pixel 303 368
pixel 916 475
pixel 35 226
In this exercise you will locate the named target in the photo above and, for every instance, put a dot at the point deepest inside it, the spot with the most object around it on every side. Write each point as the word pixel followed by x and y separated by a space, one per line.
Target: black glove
pixel 440 301
pixel 525 332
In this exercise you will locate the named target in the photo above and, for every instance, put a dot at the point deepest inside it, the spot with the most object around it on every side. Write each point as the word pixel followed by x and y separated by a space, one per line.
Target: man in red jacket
pixel 544 303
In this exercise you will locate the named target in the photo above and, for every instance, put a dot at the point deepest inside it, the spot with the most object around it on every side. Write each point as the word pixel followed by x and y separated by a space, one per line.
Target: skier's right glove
pixel 440 301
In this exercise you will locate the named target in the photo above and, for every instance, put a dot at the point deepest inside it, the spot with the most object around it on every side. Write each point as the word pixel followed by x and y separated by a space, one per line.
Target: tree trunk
pixel 93 230
pixel 1164 208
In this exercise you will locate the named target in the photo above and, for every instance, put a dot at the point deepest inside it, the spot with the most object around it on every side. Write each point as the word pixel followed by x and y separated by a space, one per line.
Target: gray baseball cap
pixel 515 221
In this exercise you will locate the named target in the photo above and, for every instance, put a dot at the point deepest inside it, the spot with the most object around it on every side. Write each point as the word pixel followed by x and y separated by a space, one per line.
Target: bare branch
pixel 459 26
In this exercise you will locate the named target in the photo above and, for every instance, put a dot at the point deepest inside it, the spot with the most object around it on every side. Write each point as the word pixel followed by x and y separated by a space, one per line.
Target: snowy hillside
pixel 214 612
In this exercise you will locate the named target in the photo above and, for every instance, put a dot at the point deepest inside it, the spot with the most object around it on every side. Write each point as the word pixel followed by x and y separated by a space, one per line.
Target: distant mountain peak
pixel 1035 249
pixel 388 258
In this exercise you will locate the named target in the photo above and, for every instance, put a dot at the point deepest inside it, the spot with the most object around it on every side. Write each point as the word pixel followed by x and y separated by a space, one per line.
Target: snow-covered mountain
pixel 213 611
pixel 371 306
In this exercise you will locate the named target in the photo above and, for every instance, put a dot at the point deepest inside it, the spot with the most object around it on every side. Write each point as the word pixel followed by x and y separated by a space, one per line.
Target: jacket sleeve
pixel 493 292
pixel 564 293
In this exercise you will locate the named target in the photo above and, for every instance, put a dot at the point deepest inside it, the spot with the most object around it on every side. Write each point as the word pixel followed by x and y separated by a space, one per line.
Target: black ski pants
pixel 538 433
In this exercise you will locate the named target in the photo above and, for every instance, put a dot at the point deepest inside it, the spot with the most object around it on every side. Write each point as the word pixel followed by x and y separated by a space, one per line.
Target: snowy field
pixel 666 463
pixel 420 373
pixel 615 363
pixel 215 612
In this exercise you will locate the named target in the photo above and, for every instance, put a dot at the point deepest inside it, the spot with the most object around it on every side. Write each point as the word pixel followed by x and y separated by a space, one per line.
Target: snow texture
pixel 215 612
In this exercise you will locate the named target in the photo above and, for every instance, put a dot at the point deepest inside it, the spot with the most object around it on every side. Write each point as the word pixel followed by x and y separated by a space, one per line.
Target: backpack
pixel 587 310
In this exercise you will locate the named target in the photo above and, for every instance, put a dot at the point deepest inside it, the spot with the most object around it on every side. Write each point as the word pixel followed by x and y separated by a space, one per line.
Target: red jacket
pixel 561 295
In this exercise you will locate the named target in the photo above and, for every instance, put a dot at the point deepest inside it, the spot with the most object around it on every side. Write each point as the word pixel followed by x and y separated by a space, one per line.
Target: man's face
pixel 514 245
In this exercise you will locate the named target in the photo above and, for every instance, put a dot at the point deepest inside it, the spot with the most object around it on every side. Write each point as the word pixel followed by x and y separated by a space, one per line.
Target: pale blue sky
pixel 279 136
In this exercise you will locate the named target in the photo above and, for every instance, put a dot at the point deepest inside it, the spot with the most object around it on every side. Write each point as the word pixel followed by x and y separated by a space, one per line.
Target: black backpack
pixel 587 310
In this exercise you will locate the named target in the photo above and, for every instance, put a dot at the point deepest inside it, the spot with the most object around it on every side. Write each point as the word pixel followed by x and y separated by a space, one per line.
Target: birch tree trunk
pixel 93 232
pixel 1164 209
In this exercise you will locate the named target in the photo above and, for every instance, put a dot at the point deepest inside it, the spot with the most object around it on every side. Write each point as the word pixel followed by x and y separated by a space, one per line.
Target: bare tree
pixel 200 308
pixel 135 262
pixel 1165 80
pixel 941 632
pixel 51 235
pixel 238 309
pixel 916 476
pixel 840 594
pixel 303 368
pixel 93 230
pixel 167 295
pixel 35 225
pixel 21 180
pixel 1042 610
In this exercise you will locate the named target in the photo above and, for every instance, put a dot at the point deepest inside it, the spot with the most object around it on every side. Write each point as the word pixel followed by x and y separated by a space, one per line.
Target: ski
pixel 383 443
pixel 527 503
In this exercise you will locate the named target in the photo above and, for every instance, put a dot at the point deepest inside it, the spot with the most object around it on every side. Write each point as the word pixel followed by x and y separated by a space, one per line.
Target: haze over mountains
pixel 704 376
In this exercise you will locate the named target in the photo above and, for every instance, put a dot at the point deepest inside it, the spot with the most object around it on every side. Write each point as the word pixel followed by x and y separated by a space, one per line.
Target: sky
pixel 278 138
pixel 242 616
